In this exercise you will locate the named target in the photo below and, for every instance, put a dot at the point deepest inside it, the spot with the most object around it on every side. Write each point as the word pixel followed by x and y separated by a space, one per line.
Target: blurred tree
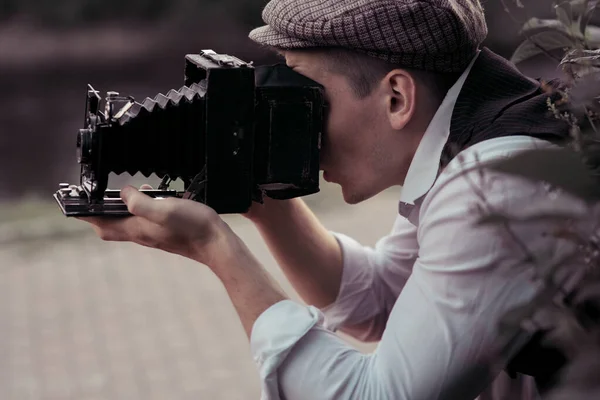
pixel 69 13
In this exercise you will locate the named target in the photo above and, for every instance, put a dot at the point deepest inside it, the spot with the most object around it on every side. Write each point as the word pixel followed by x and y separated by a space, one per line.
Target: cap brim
pixel 268 36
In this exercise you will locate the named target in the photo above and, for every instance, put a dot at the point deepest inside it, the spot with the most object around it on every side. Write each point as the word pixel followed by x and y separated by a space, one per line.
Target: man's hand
pixel 195 231
pixel 178 226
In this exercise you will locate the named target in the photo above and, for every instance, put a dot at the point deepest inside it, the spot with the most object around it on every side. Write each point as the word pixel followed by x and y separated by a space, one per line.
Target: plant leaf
pixel 581 63
pixel 590 7
pixel 585 93
pixel 526 217
pixel 548 41
pixel 582 57
pixel 589 292
pixel 592 36
pixel 561 168
pixel 579 6
pixel 564 13
pixel 537 25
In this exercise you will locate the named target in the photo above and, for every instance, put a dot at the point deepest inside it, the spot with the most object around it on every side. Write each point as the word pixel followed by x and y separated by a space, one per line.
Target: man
pixel 408 87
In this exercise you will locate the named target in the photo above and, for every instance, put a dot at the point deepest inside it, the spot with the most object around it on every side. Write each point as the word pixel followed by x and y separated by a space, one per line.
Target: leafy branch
pixel 568 306
pixel 571 29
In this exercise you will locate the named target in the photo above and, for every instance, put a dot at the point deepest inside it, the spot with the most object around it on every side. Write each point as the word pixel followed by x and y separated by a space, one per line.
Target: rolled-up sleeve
pixel 292 348
pixel 372 279
pixel 442 324
pixel 274 334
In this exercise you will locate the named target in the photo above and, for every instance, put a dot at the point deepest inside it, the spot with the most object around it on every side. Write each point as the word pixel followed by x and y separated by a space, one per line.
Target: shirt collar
pixel 423 170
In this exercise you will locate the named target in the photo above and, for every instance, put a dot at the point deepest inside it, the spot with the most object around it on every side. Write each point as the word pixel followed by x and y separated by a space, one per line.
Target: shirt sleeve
pixel 372 279
pixel 441 327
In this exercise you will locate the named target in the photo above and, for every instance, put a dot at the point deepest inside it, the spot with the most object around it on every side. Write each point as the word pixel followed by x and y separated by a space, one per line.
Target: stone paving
pixel 88 320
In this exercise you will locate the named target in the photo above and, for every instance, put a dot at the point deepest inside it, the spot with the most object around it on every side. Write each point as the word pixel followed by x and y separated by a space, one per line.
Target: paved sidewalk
pixel 86 320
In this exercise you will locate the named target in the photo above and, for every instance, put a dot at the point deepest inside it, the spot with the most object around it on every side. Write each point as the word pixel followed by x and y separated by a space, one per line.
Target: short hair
pixel 364 72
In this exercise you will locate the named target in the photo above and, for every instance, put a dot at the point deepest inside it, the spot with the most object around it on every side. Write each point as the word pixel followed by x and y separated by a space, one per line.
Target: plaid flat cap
pixel 431 35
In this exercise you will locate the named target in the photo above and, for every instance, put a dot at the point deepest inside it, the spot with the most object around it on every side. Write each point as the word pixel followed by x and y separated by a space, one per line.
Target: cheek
pixel 338 143
pixel 351 132
pixel 345 127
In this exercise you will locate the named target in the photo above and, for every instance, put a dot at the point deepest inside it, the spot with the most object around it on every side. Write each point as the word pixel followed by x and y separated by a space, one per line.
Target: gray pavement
pixel 88 320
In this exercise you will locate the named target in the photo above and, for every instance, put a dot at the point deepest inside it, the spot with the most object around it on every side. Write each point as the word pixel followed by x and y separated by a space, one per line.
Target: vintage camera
pixel 233 134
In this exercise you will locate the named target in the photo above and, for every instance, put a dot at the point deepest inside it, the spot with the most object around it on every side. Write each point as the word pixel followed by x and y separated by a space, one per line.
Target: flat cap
pixel 431 35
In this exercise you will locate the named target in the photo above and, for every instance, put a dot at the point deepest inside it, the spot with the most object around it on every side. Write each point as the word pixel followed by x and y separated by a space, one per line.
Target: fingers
pixel 157 211
pixel 95 222
pixel 144 227
pixel 145 186
pixel 132 229
pixel 108 229
pixel 138 204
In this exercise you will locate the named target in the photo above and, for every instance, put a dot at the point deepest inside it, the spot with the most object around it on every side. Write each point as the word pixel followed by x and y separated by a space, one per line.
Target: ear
pixel 401 98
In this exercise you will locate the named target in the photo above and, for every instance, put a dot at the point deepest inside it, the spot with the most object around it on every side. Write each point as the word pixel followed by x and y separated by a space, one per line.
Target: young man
pixel 408 86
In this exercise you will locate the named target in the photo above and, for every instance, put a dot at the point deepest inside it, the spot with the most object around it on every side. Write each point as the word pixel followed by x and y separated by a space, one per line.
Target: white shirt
pixel 432 291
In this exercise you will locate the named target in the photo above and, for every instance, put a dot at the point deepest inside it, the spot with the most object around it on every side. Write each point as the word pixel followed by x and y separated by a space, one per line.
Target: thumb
pixel 127 193
pixel 142 205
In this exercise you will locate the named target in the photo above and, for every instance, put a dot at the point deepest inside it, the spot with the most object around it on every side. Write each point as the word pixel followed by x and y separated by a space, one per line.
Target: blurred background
pixel 82 319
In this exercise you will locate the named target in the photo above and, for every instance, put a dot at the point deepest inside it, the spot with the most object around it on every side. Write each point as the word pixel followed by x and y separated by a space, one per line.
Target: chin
pixel 355 196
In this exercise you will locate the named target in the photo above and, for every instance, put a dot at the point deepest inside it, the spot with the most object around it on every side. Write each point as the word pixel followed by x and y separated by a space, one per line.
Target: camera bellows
pixel 162 136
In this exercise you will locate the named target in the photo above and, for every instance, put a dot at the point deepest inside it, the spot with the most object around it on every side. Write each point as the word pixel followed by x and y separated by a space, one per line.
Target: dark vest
pixel 496 101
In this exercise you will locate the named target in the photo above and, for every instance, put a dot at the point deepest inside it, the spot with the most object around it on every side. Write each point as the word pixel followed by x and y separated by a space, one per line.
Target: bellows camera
pixel 233 134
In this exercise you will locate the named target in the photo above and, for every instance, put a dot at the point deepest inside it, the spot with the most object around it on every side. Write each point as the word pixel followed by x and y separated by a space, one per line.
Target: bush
pixel 570 315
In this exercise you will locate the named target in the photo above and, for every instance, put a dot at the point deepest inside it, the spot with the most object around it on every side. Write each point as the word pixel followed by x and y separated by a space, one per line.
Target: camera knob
pixel 84 146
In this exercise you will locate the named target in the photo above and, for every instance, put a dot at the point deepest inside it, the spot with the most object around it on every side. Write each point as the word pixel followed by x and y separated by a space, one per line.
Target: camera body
pixel 233 134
